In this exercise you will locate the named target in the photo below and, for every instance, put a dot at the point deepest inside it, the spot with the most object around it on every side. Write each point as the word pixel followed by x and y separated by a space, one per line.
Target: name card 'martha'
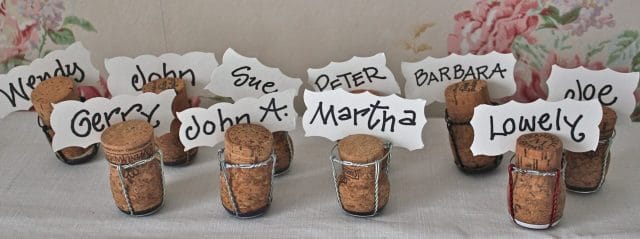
pixel 336 114
pixel 496 128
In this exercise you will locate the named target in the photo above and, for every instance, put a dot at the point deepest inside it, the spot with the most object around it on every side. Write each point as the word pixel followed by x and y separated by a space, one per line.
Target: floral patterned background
pixel 539 32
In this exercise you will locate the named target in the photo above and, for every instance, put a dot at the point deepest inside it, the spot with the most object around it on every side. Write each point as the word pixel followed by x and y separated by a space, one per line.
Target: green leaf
pixel 625 46
pixel 635 63
pixel 82 23
pixel 64 36
pixel 570 16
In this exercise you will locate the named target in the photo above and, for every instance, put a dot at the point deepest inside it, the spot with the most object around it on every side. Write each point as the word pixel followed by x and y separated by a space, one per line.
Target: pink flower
pixel 47 13
pixel 89 92
pixel 13 40
pixel 492 26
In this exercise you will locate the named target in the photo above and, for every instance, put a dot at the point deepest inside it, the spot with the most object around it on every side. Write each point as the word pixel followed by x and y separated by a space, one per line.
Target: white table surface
pixel 41 197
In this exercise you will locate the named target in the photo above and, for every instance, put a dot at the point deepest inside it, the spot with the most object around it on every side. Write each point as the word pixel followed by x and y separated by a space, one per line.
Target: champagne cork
pixel 586 171
pixel 537 199
pixel 357 184
pixel 138 190
pixel 180 102
pixel 52 91
pixel 172 149
pixel 251 187
pixel 461 99
pixel 283 147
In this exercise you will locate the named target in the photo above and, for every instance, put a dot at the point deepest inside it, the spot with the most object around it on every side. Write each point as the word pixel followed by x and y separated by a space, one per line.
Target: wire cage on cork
pixel 380 191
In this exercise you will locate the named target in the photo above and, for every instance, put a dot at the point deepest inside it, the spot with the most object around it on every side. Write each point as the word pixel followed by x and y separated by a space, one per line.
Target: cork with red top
pixel 251 187
pixel 537 199
pixel 51 91
pixel 461 99
pixel 137 190
pixel 586 171
pixel 356 185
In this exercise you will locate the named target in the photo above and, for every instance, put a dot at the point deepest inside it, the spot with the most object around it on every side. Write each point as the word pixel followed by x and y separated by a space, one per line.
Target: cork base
pixel 357 196
pixel 251 189
pixel 584 172
pixel 85 155
pixel 283 147
pixel 364 214
pixel 535 226
pixel 460 139
pixel 533 199
pixel 144 213
pixel 173 151
pixel 249 215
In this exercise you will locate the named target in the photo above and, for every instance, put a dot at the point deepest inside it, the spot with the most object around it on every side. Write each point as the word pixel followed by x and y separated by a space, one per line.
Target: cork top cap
pixel 52 90
pixel 462 97
pixel 157 86
pixel 608 123
pixel 247 143
pixel 539 151
pixel 128 135
pixel 361 148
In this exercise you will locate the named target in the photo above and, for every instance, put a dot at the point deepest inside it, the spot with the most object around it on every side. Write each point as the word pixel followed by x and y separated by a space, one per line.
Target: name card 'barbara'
pixel 336 114
pixel 610 88
pixel 358 73
pixel 82 123
pixel 496 128
pixel 128 75
pixel 239 77
pixel 206 127
pixel 16 86
pixel 427 79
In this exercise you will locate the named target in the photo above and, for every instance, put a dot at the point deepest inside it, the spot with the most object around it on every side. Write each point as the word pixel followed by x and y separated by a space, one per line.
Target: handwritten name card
pixel 496 128
pixel 16 86
pixel 82 123
pixel 206 127
pixel 427 79
pixel 336 114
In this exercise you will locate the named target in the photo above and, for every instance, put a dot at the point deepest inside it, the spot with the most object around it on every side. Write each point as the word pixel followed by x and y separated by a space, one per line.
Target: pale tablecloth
pixel 41 197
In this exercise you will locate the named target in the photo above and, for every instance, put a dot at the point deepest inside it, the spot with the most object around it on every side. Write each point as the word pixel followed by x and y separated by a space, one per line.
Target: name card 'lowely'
pixel 241 76
pixel 496 128
pixel 358 73
pixel 128 75
pixel 610 88
pixel 336 114
pixel 16 86
pixel 82 123
pixel 206 127
pixel 427 79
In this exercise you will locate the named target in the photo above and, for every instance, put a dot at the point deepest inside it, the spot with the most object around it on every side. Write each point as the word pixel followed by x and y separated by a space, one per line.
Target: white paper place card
pixel 610 88
pixel 82 123
pixel 239 77
pixel 206 127
pixel 16 86
pixel 427 79
pixel 336 114
pixel 358 73
pixel 496 128
pixel 128 75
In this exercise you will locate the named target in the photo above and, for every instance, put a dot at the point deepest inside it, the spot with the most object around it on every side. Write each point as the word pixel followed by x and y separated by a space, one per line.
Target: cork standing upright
pixel 169 143
pixel 357 184
pixel 135 172
pixel 536 184
pixel 283 147
pixel 51 91
pixel 587 171
pixel 247 170
pixel 461 99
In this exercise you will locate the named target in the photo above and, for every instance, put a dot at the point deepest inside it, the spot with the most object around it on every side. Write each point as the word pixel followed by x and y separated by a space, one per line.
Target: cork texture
pixel 173 153
pixel 461 98
pixel 247 144
pixel 357 184
pixel 585 170
pixel 180 102
pixel 53 90
pixel 283 147
pixel 126 143
pixel 532 195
